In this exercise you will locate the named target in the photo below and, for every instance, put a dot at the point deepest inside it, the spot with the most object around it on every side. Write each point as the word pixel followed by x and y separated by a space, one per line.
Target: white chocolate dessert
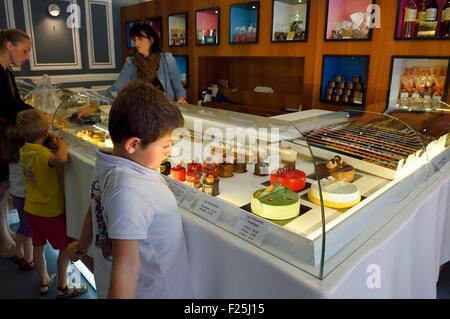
pixel 336 194
pixel 288 157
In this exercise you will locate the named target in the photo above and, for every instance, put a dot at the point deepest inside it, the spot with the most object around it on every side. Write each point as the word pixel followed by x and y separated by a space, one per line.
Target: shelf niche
pixel 284 75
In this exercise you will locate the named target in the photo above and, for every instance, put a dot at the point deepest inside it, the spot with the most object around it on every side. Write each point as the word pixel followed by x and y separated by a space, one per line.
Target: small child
pixel 140 249
pixel 24 248
pixel 44 203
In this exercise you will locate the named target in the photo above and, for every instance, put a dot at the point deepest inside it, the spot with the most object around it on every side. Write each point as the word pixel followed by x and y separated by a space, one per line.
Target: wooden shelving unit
pixel 380 49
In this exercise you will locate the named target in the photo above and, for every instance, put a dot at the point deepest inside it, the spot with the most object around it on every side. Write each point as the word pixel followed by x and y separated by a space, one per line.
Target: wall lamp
pixel 54 10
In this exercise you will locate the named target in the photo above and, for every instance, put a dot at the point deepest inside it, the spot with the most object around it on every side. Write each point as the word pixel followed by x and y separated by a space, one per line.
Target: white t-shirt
pixel 16 179
pixel 137 205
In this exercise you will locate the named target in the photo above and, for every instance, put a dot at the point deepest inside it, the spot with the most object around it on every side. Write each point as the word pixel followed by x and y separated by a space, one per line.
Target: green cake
pixel 276 202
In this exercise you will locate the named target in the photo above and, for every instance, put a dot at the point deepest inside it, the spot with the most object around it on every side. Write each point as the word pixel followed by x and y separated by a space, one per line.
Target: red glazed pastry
pixel 294 179
pixel 194 167
pixel 193 178
pixel 178 173
pixel 211 169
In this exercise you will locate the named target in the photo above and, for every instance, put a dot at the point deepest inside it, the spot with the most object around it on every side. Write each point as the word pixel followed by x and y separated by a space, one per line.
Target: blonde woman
pixel 15 46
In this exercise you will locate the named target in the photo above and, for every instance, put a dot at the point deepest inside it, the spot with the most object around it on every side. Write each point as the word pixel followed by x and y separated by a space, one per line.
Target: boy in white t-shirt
pixel 140 249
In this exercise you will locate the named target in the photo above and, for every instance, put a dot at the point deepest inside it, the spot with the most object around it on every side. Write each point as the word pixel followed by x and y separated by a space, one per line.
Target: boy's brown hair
pixel 32 125
pixel 140 110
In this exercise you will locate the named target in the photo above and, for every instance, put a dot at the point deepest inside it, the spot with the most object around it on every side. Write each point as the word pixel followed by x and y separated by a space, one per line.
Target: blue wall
pixel 243 15
pixel 345 66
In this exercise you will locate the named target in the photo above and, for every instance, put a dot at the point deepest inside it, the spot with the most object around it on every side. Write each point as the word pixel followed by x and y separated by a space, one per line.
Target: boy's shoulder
pixel 30 148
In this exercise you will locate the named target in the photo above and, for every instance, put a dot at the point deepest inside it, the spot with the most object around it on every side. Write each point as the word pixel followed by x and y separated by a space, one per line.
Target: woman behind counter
pixel 151 65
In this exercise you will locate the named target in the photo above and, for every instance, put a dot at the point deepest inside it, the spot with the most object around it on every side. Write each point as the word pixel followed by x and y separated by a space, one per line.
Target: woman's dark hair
pixel 146 30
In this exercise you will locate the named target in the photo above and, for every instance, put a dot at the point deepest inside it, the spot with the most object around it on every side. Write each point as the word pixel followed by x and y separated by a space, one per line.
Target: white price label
pixel 178 191
pixel 252 229
pixel 189 200
pixel 209 209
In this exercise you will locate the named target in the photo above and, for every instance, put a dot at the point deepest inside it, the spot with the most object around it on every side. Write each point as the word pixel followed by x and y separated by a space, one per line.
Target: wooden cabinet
pixel 380 49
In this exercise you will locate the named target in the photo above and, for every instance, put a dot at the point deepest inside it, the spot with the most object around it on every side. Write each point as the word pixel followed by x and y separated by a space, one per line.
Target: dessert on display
pixel 210 185
pixel 193 178
pixel 288 157
pixel 276 202
pixel 383 142
pixel 226 170
pixel 194 166
pixel 341 170
pixel 294 179
pixel 165 168
pixel 99 138
pixel 261 169
pixel 194 174
pixel 335 193
pixel 239 167
pixel 179 173
pixel 210 168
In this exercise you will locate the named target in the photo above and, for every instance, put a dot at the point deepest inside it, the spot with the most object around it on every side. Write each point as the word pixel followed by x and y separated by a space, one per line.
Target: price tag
pixel 252 229
pixel 178 191
pixel 209 209
pixel 189 200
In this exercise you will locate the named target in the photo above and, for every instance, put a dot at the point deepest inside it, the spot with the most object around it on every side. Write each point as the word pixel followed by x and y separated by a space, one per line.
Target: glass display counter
pixel 309 192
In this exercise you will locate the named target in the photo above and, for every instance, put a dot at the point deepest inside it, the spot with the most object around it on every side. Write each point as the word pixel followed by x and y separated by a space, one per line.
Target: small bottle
pixel 432 11
pixel 422 11
pixel 409 20
pixel 445 20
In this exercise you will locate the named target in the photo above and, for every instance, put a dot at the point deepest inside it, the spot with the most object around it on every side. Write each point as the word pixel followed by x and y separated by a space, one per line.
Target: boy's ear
pixel 131 144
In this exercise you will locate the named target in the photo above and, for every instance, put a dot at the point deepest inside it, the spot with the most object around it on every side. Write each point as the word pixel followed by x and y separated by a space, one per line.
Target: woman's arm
pixel 126 265
pixel 175 80
pixel 128 72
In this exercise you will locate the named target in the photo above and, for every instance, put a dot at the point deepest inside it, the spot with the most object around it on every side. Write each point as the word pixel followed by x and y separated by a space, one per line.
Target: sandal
pixel 26 265
pixel 48 286
pixel 67 292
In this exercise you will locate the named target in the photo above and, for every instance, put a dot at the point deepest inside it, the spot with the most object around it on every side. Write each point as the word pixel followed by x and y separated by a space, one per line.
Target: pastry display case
pixel 308 191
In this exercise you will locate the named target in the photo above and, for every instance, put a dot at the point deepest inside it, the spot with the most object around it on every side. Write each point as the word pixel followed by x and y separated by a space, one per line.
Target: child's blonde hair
pixel 32 125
